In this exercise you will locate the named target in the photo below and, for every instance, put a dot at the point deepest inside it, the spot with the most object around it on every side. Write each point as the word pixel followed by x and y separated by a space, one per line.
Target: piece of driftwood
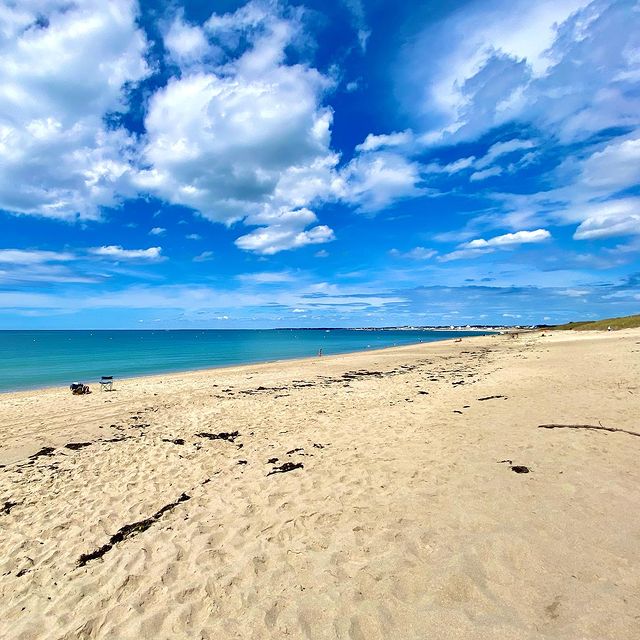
pixel 587 426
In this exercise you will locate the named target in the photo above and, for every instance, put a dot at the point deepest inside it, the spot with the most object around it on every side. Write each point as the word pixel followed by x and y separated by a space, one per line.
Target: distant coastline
pixel 474 328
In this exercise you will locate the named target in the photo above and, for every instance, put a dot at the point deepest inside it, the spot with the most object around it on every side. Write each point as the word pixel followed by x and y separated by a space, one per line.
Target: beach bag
pixel 79 389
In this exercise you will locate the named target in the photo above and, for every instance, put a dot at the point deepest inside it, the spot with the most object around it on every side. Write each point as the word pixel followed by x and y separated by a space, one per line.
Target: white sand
pixel 403 525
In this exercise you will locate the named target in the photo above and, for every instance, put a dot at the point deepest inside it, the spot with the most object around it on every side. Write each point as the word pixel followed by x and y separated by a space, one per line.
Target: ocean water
pixel 33 359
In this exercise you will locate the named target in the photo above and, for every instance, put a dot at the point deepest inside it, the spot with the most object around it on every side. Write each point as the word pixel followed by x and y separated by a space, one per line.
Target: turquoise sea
pixel 33 359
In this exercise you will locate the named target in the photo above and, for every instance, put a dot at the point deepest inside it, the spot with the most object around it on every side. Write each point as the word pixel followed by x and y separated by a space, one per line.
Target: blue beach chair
pixel 106 383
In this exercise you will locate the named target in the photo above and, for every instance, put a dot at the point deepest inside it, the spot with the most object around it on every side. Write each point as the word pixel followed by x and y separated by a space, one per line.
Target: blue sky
pixel 344 163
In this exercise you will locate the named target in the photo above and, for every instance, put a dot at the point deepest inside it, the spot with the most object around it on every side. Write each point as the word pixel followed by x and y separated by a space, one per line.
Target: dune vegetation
pixel 625 322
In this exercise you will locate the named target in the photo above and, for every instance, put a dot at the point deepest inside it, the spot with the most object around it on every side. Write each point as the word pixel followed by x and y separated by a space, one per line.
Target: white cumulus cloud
pixel 247 139
pixel 65 66
pixel 286 231
pixel 376 179
pixel 508 239
pixel 186 43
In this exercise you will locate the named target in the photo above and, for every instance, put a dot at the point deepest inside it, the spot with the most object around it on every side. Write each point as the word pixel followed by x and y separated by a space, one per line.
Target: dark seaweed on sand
pixel 8 505
pixel 74 446
pixel 287 466
pixel 229 437
pixel 129 531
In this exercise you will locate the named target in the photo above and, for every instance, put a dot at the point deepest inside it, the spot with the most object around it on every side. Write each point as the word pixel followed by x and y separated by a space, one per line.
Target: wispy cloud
pixel 417 253
pixel 611 218
pixel 46 274
pixel 205 256
pixel 116 252
pixel 267 277
pixel 426 304
pixel 356 9
pixel 25 256
pixel 485 173
pixel 480 246
pixel 373 142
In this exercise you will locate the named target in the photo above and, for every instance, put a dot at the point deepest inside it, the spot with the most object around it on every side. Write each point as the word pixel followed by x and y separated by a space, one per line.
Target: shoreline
pixel 171 372
pixel 388 493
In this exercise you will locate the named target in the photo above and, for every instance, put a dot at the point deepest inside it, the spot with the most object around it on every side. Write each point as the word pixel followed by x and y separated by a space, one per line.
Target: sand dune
pixel 394 510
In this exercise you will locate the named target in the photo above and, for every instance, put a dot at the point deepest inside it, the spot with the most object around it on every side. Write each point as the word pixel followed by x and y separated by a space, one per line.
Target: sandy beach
pixel 407 493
